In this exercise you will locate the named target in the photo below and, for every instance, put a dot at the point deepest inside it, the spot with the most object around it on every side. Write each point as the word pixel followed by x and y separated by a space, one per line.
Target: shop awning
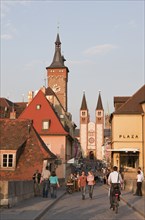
pixel 124 150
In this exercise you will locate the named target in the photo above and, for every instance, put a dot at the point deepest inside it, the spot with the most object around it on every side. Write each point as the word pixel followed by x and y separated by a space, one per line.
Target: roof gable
pixel 133 104
pixel 30 156
pixel 45 113
pixel 11 137
pixel 6 107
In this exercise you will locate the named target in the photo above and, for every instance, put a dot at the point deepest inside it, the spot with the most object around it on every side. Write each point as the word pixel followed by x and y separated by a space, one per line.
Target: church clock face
pixel 91 140
pixel 56 88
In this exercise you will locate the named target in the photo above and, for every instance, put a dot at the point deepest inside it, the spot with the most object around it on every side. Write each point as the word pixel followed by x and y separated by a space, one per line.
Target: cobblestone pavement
pixel 73 207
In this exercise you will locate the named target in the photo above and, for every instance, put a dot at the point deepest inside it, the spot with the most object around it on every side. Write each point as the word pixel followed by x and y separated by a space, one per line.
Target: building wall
pixel 83 138
pixel 127 132
pixel 12 192
pixel 58 145
pixel 91 136
pixel 57 80
pixel 143 147
pixel 99 139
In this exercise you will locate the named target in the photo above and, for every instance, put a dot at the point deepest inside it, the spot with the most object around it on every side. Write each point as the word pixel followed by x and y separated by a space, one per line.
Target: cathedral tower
pixel 84 119
pixel 57 74
pixel 92 133
pixel 99 127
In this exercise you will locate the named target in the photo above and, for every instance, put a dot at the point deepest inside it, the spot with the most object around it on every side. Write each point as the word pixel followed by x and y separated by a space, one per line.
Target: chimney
pixel 43 89
pixel 30 96
pixel 13 114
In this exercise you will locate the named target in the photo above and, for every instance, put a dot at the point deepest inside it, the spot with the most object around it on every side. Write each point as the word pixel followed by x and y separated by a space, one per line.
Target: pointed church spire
pixel 58 59
pixel 84 103
pixel 99 104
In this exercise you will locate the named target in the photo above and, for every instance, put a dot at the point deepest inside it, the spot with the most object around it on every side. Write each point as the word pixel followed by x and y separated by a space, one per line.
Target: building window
pixel 99 113
pixel 46 125
pixel 38 107
pixel 8 160
pixel 83 113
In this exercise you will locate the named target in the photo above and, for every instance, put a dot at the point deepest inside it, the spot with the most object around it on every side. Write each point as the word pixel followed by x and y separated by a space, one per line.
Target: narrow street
pixel 73 207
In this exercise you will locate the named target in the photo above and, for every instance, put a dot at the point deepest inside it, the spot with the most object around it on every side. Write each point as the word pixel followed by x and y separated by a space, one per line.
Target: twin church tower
pixel 91 135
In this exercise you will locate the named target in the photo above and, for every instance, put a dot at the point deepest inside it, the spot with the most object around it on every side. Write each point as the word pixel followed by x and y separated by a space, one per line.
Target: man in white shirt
pixel 140 179
pixel 114 177
pixel 45 176
pixel 139 168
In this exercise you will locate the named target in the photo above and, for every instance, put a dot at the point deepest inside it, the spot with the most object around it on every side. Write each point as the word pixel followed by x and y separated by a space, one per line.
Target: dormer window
pixel 38 107
pixel 46 125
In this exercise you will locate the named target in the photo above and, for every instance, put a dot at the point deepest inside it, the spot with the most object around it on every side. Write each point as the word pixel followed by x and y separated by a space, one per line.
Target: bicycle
pixel 116 199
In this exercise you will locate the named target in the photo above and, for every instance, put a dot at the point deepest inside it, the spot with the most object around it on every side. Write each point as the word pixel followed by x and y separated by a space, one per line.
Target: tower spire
pixel 58 27
pixel 99 103
pixel 58 59
pixel 84 103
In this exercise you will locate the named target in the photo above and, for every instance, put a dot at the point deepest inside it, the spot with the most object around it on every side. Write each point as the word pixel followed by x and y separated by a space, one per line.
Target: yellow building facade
pixel 128 131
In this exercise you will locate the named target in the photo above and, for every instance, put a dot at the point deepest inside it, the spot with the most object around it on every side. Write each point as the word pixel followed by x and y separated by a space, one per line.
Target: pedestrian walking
pixel 36 178
pixel 90 180
pixel 54 184
pixel 139 179
pixel 45 181
pixel 82 181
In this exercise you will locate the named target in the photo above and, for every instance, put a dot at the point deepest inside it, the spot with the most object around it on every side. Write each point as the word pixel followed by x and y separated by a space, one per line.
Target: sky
pixel 102 42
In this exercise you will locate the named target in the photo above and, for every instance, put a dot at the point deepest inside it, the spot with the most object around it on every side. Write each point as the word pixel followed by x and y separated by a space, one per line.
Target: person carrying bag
pixel 114 181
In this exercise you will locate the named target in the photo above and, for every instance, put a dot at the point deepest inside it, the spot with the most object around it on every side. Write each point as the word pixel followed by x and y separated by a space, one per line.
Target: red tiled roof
pixel 46 112
pixel 18 134
pixel 11 137
pixel 6 106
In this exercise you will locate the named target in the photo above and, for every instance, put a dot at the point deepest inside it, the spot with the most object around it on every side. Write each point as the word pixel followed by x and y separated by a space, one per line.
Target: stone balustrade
pixel 12 192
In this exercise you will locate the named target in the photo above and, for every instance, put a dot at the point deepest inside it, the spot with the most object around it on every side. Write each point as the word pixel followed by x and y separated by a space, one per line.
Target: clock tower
pixel 57 74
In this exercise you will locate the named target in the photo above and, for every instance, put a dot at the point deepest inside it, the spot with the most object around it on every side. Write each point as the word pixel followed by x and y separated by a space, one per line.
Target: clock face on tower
pixel 91 140
pixel 56 88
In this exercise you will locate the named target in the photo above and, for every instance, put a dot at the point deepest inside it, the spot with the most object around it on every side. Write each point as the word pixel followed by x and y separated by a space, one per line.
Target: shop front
pixel 125 158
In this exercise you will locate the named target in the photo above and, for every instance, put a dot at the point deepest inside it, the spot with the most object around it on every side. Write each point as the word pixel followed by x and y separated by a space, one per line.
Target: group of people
pixel 115 177
pixel 82 181
pixel 48 181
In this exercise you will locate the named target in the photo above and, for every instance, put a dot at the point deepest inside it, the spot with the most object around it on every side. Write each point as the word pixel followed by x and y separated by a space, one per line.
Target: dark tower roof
pixel 58 59
pixel 84 103
pixel 99 104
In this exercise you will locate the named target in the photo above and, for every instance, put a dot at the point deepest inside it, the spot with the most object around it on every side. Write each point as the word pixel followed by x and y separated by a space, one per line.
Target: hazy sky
pixel 102 42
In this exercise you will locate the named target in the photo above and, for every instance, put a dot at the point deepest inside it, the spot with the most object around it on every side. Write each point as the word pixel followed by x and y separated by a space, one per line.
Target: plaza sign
pixel 132 136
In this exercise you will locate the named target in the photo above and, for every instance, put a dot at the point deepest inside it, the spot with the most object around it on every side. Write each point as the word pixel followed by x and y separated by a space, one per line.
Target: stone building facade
pixel 92 133
pixel 128 131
